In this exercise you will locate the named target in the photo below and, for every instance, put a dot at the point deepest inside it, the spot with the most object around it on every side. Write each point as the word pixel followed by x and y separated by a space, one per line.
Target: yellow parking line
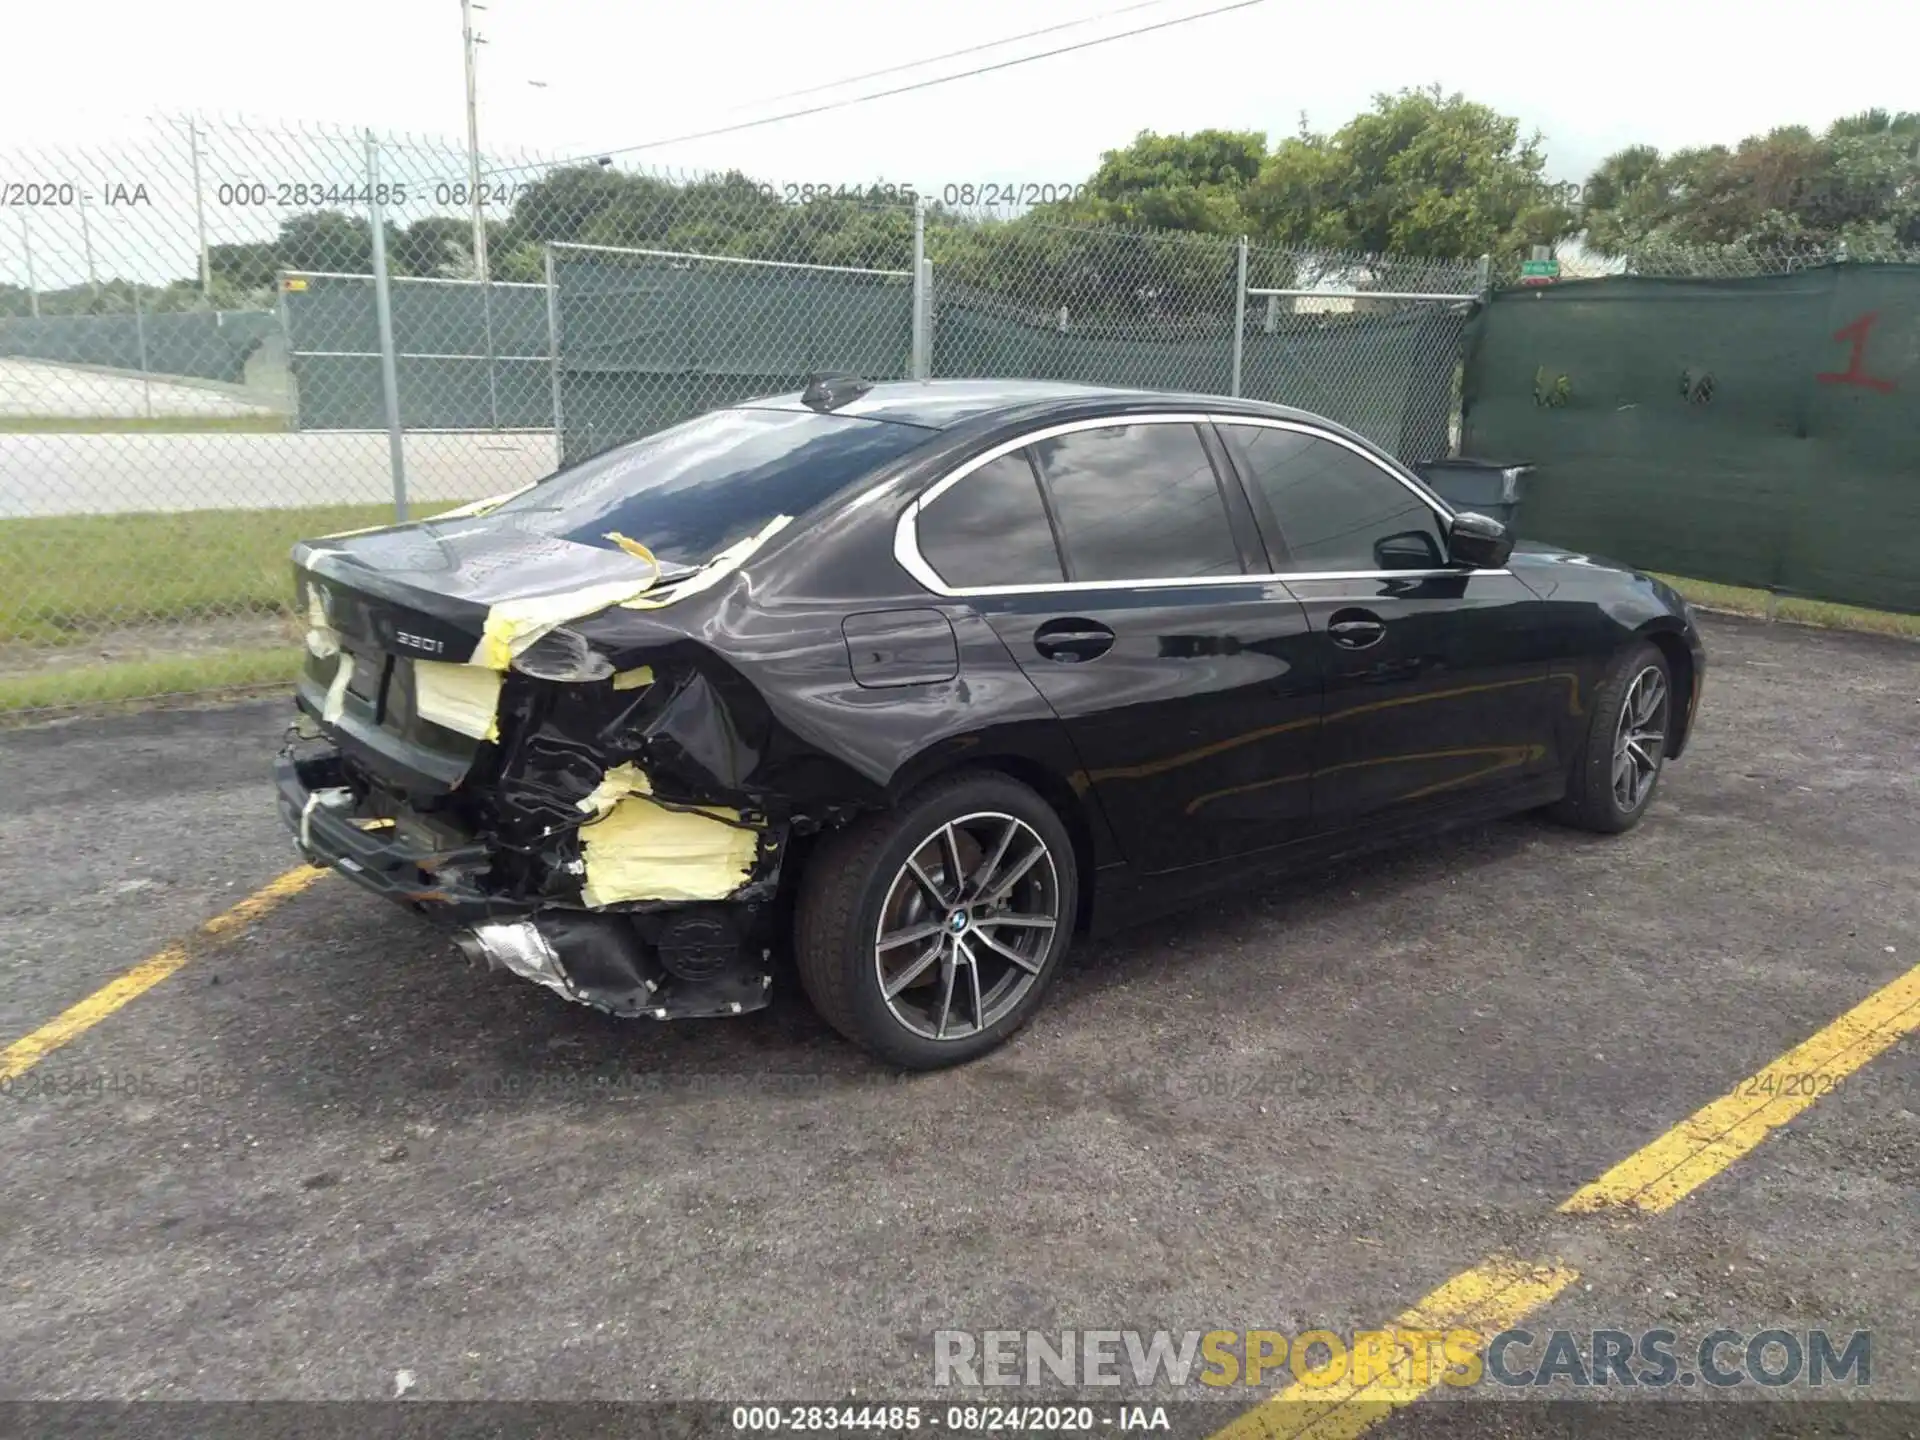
pixel 1659 1175
pixel 1497 1293
pixel 1487 1299
pixel 23 1054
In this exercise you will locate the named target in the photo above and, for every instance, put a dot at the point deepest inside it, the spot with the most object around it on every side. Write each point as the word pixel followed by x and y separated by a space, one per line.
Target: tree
pixel 247 266
pixel 561 205
pixel 326 240
pixel 1420 174
pixel 1789 189
pixel 1173 182
pixel 440 245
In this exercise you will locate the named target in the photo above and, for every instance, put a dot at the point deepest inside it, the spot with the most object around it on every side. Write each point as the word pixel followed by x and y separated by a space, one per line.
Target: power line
pixel 969 50
pixel 604 155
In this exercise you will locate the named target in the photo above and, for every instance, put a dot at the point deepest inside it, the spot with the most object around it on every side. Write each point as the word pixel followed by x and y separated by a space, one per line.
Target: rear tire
pixel 1618 765
pixel 928 934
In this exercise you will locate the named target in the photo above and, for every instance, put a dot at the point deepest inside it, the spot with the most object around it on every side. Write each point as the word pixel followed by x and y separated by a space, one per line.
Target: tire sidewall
pixel 911 830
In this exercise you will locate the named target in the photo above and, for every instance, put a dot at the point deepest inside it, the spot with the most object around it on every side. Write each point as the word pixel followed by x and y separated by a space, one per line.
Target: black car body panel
pixel 724 709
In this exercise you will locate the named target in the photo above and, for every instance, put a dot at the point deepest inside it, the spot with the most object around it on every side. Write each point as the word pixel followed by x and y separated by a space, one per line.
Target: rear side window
pixel 1337 510
pixel 689 492
pixel 990 528
pixel 1138 502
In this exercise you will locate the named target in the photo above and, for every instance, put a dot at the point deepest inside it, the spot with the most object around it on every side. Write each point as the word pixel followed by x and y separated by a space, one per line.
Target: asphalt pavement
pixel 327 1158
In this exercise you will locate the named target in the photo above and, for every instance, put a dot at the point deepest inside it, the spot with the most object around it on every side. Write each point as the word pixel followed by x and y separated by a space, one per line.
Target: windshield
pixel 689 492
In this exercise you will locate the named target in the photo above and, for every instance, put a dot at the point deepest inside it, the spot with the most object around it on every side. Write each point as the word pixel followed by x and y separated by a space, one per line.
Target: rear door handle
pixel 1073 639
pixel 1356 629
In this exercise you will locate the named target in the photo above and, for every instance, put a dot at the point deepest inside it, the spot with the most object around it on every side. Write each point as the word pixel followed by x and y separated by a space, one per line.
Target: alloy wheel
pixel 967 925
pixel 1640 738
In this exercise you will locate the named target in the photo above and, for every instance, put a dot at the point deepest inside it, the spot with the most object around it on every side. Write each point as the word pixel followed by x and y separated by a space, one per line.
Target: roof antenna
pixel 829 391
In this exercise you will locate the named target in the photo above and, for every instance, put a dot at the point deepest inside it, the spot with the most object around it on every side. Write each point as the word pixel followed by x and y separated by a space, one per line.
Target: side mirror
pixel 1479 541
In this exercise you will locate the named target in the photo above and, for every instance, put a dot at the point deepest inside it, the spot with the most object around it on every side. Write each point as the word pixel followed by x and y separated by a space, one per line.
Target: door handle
pixel 1072 640
pixel 1356 629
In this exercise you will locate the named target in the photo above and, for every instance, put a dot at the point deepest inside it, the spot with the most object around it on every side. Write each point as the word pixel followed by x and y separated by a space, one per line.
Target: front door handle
pixel 1356 629
pixel 1073 640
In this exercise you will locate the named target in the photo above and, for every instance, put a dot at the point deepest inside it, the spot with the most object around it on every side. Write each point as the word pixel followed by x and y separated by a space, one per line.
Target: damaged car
pixel 922 680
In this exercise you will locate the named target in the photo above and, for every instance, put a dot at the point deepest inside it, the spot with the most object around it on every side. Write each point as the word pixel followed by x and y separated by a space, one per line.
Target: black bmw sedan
pixel 932 677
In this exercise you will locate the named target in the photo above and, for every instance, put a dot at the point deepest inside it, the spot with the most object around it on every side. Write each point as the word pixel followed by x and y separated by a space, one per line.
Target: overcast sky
pixel 1591 77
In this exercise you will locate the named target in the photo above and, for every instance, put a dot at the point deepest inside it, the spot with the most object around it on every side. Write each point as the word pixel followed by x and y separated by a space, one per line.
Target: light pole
pixel 470 40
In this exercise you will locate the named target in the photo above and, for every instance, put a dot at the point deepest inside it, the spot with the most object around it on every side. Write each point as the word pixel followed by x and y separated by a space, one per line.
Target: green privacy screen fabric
pixel 1761 431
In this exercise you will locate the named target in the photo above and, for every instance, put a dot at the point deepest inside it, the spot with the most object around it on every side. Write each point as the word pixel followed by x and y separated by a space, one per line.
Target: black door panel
pixel 1195 725
pixel 1442 694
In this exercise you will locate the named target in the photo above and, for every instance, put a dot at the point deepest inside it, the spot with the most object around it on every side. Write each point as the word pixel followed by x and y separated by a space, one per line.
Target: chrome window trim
pixel 906 537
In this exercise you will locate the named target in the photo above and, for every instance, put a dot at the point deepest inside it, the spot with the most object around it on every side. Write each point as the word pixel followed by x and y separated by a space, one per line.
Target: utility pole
pixel 199 209
pixel 470 40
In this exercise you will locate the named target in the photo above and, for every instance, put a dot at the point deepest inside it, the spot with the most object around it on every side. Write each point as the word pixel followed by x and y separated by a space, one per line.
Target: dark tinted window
pixel 689 492
pixel 991 529
pixel 1138 502
pixel 1338 510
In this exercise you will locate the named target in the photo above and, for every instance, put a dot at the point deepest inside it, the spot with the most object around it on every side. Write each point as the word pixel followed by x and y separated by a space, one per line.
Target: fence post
pixel 493 383
pixel 1483 277
pixel 383 316
pixel 553 359
pixel 292 391
pixel 140 347
pixel 86 244
pixel 26 245
pixel 1239 314
pixel 921 308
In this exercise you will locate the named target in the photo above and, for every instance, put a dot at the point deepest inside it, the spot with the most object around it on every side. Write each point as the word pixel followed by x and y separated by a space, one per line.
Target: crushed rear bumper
pixel 681 962
pixel 314 801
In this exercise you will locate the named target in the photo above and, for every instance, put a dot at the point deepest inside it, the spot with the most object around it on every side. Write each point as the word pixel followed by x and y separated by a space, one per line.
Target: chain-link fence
pixel 217 338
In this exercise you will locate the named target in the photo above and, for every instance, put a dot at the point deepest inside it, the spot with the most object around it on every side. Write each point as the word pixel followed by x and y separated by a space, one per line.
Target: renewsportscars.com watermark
pixel 1461 1359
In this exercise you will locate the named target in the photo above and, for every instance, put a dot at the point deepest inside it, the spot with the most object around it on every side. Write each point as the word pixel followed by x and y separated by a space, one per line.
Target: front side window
pixel 1337 510
pixel 990 528
pixel 1138 502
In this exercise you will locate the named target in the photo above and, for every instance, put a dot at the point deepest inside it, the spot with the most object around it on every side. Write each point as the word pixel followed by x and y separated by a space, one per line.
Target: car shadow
pixel 1165 949
pixel 367 1008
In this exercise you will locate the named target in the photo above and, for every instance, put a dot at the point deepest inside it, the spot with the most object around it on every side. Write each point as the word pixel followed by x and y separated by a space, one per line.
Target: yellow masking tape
pixel 513 625
pixel 634 679
pixel 464 698
pixel 642 851
pixel 621 781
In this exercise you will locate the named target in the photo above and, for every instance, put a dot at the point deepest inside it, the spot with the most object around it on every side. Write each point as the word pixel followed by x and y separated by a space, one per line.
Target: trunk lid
pixel 391 600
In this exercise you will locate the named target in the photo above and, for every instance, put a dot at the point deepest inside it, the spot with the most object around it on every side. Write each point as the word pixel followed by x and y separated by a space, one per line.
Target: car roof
pixel 941 404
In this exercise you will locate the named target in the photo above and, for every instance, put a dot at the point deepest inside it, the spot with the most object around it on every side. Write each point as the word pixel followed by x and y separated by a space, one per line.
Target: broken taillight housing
pixel 563 655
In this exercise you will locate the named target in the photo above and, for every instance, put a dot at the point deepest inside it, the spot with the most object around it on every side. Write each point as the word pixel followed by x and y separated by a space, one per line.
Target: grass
pixel 75 687
pixel 144 424
pixel 68 577
pixel 1827 614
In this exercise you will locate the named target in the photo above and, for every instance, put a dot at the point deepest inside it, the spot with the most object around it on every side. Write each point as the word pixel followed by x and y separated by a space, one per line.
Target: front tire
pixel 928 934
pixel 1618 767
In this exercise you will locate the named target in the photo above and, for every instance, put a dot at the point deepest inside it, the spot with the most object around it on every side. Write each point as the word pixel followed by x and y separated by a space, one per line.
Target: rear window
pixel 689 492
